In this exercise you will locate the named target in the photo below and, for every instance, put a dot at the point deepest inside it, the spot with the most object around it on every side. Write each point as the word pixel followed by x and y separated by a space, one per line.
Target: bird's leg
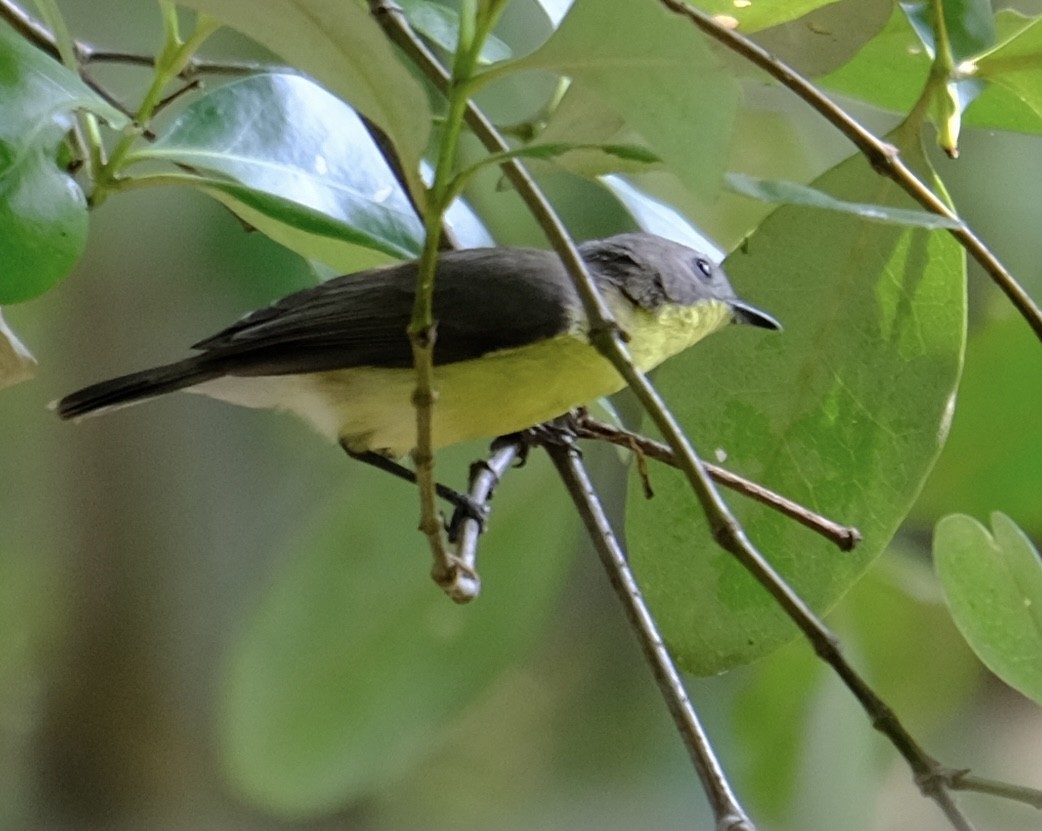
pixel 465 507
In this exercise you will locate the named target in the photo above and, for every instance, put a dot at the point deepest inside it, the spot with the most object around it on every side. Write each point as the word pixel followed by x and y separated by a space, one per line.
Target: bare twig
pixel 34 32
pixel 727 811
pixel 882 156
pixel 963 780
pixel 845 537
pixel 484 478
pixel 38 35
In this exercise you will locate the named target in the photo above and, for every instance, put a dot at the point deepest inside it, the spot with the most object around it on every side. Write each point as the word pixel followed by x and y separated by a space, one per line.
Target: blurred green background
pixel 141 555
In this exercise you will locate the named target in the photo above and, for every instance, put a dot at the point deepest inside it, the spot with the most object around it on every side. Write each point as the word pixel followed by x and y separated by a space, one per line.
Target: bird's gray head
pixel 653 272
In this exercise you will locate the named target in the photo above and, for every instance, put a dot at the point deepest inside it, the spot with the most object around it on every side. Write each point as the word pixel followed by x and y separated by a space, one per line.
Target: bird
pixel 512 348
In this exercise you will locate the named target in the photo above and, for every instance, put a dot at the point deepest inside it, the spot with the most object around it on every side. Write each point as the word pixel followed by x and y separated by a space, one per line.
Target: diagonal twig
pixel 845 537
pixel 484 478
pixel 727 811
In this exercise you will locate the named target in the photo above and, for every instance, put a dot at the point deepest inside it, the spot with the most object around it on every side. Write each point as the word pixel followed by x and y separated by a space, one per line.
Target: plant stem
pixel 458 581
pixel 168 65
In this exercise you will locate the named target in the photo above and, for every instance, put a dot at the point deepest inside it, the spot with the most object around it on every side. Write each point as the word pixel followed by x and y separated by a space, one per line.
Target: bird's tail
pixel 129 389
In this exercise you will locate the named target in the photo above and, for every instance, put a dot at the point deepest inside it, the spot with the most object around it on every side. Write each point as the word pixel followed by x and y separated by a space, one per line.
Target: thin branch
pixel 38 35
pixel 845 537
pixel 881 155
pixel 34 32
pixel 963 780
pixel 727 811
pixel 195 67
pixel 485 477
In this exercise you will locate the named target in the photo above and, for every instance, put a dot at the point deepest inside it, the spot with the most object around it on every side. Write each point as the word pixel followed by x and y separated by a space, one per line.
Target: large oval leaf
pixel 296 162
pixel 339 45
pixel 844 411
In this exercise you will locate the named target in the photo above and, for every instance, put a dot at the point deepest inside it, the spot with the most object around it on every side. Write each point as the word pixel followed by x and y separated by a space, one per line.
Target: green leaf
pixel 340 46
pixel 993 585
pixel 892 68
pixel 1016 65
pixel 889 72
pixel 805 413
pixel 792 193
pixel 355 662
pixel 758 15
pixel 581 118
pixel 16 362
pixel 827 37
pixel 43 213
pixel 621 49
pixel 441 25
pixel 969 25
pixel 306 171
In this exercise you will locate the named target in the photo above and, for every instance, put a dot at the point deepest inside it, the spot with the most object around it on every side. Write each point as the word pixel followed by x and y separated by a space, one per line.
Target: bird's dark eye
pixel 704 267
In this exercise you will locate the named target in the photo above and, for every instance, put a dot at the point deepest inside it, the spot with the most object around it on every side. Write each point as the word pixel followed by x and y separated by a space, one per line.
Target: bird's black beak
pixel 751 316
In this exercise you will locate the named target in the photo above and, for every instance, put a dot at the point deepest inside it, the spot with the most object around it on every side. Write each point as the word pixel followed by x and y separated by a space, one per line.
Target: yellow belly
pixel 502 392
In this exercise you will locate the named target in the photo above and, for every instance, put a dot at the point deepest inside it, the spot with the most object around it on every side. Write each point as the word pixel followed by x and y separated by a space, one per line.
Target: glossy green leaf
pixel 993 585
pixel 760 14
pixel 793 193
pixel 355 661
pixel 620 49
pixel 341 46
pixel 43 212
pixel 804 412
pixel 306 172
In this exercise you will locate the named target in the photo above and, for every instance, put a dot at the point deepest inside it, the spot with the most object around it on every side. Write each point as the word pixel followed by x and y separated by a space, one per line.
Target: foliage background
pixel 136 550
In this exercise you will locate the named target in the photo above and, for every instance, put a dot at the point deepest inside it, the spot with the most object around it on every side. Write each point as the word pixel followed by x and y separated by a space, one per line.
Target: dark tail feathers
pixel 128 389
